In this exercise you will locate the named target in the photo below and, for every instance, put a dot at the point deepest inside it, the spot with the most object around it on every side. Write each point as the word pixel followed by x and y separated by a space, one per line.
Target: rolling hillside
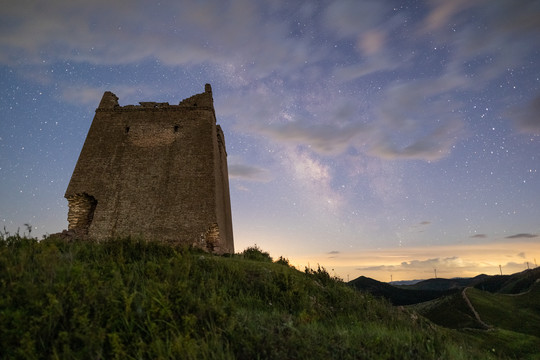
pixel 451 312
pixel 508 322
pixel 510 284
pixel 441 284
pixel 519 313
pixel 125 299
pixel 501 312
pixel 402 295
pixel 431 289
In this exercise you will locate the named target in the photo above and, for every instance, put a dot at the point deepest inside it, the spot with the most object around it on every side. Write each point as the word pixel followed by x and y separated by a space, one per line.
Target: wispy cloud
pixel 479 236
pixel 430 126
pixel 427 266
pixel 350 18
pixel 527 117
pixel 174 33
pixel 323 138
pixel 506 26
pixel 443 12
pixel 248 172
pixel 87 95
pixel 220 33
pixel 419 262
pixel 522 236
pixel 445 267
pixel 421 110
pixel 420 226
pixel 75 93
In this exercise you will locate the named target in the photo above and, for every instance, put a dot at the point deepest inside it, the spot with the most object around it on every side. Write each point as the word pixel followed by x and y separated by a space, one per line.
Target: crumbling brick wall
pixel 153 170
pixel 81 212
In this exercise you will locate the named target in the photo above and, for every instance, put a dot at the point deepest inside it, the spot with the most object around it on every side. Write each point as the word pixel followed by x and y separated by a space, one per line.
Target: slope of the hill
pixel 441 284
pixel 450 311
pixel 519 313
pixel 397 295
pixel 132 299
pixel 509 284
pixel 505 284
pixel 513 321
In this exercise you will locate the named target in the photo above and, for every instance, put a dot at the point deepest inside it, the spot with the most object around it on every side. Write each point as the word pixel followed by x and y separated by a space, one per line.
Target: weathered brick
pixel 154 170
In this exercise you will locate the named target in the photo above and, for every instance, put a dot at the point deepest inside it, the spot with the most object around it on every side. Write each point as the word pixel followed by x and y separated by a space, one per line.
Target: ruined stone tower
pixel 154 170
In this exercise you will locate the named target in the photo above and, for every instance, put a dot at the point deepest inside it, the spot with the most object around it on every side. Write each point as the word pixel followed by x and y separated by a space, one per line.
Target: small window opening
pixel 127 129
pixel 176 127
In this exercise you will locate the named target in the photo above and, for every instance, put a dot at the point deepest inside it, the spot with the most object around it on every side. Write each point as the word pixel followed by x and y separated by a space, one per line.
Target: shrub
pixel 283 261
pixel 255 253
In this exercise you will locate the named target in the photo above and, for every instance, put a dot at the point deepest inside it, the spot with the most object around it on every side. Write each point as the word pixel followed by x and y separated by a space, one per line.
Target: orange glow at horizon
pixel 426 262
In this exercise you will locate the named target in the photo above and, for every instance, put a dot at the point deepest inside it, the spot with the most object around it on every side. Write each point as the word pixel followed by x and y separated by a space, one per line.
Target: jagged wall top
pixel 154 170
pixel 109 101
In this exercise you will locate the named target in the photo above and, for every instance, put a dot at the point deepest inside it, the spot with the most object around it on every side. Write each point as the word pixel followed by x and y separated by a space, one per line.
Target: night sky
pixel 377 138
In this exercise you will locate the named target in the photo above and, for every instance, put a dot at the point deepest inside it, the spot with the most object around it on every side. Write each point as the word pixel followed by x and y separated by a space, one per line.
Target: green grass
pixel 450 311
pixel 515 318
pixel 130 299
pixel 505 343
pixel 519 313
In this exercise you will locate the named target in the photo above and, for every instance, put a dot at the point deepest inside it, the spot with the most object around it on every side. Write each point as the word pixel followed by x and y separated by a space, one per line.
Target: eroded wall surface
pixel 154 170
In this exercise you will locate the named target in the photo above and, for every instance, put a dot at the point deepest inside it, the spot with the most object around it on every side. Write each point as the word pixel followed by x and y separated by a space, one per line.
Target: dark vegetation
pixel 504 284
pixel 509 322
pixel 509 284
pixel 520 313
pixel 508 308
pixel 398 295
pixel 131 299
pixel 451 312
pixel 441 284
pixel 432 289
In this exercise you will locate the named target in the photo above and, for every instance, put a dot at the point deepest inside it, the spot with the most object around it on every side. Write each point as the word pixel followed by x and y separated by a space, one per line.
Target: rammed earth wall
pixel 154 170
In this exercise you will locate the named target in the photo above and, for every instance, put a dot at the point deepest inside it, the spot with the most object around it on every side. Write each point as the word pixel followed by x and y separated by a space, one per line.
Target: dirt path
pixel 525 292
pixel 476 315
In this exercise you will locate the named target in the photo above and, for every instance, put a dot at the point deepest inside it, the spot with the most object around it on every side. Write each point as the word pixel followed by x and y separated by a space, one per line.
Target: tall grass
pixel 516 319
pixel 131 299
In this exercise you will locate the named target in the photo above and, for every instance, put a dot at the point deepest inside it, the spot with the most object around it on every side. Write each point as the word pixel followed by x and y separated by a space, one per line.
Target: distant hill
pixel 397 295
pixel 426 290
pixel 404 282
pixel 506 284
pixel 509 284
pixel 501 312
pixel 441 284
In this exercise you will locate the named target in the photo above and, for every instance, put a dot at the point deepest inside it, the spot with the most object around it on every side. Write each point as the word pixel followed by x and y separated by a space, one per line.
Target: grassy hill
pixel 519 313
pixel 509 284
pixel 513 319
pixel 130 299
pixel 441 284
pixel 450 311
pixel 431 289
